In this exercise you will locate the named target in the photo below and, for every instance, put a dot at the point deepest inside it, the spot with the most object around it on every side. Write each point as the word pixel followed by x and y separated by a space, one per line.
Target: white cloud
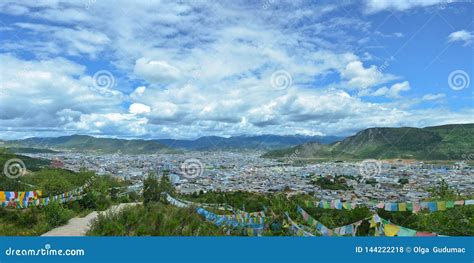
pixel 115 124
pixel 138 108
pixel 360 77
pixel 461 36
pixel 49 93
pixel 392 92
pixel 429 97
pixel 398 34
pixel 156 71
pixel 73 41
pixel 396 88
pixel 374 6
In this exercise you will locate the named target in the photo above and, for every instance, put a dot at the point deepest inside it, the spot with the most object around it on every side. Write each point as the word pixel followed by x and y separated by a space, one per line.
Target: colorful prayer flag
pixel 390 230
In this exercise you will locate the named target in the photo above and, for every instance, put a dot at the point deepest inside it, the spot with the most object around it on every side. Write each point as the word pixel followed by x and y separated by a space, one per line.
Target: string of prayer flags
pixel 221 220
pixel 296 229
pixel 175 202
pixel 39 202
pixel 412 206
pixel 185 203
pixel 19 196
pixel 242 217
pixel 384 227
pixel 11 199
pixel 350 229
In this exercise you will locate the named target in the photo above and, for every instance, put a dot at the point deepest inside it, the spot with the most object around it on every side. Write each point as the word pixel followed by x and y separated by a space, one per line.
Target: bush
pixel 403 181
pixel 97 196
pixel 56 214
pixel 95 200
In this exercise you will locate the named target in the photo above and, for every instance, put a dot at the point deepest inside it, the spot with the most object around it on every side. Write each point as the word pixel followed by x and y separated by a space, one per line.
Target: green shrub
pixel 95 200
pixel 56 214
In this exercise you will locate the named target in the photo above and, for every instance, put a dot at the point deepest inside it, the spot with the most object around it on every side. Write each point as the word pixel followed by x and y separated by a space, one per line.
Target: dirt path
pixel 78 226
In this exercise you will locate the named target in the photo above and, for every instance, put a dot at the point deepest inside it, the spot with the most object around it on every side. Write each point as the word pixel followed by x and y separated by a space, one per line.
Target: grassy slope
pixel 156 220
pixel 35 221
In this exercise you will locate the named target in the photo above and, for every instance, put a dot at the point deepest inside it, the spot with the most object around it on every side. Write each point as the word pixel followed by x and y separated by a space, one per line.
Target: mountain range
pixel 447 142
pixel 258 142
pixel 84 143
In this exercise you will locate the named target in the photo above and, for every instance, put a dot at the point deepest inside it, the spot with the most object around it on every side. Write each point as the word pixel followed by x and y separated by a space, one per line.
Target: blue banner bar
pixel 235 249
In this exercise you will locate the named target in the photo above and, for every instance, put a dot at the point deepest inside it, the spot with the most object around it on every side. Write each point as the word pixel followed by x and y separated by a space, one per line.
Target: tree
pixel 403 181
pixel 165 185
pixel 151 191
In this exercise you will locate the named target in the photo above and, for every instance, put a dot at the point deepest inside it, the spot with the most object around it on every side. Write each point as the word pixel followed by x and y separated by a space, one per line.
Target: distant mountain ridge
pixel 446 142
pixel 257 142
pixel 85 143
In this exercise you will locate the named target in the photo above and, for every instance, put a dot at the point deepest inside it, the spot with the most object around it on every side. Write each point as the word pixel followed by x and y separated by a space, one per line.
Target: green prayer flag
pixel 449 204
pixel 406 232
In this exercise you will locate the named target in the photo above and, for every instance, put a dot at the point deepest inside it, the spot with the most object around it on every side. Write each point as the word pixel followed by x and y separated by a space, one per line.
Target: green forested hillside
pixel 30 163
pixel 81 143
pixel 448 142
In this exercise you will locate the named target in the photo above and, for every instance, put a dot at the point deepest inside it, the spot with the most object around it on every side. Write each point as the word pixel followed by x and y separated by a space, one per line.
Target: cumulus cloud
pixel 360 77
pixel 49 93
pixel 461 36
pixel 156 71
pixel 138 108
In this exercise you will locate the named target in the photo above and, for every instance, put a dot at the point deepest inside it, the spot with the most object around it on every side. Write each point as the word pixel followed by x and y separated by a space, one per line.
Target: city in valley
pixel 193 172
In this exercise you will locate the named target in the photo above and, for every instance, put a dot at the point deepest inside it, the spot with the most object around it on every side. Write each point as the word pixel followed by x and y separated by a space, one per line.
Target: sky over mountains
pixel 157 69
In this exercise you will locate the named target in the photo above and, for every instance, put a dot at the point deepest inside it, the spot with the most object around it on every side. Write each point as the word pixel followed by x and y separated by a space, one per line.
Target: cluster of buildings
pixel 247 171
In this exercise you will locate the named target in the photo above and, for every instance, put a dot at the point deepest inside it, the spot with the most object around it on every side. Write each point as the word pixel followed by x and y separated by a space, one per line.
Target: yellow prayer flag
pixel 344 205
pixel 390 230
pixel 3 197
pixel 372 222
pixel 402 206
pixel 441 205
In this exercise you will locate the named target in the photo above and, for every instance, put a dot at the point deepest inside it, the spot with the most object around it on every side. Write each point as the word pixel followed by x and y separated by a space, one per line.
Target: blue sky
pixel 157 69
